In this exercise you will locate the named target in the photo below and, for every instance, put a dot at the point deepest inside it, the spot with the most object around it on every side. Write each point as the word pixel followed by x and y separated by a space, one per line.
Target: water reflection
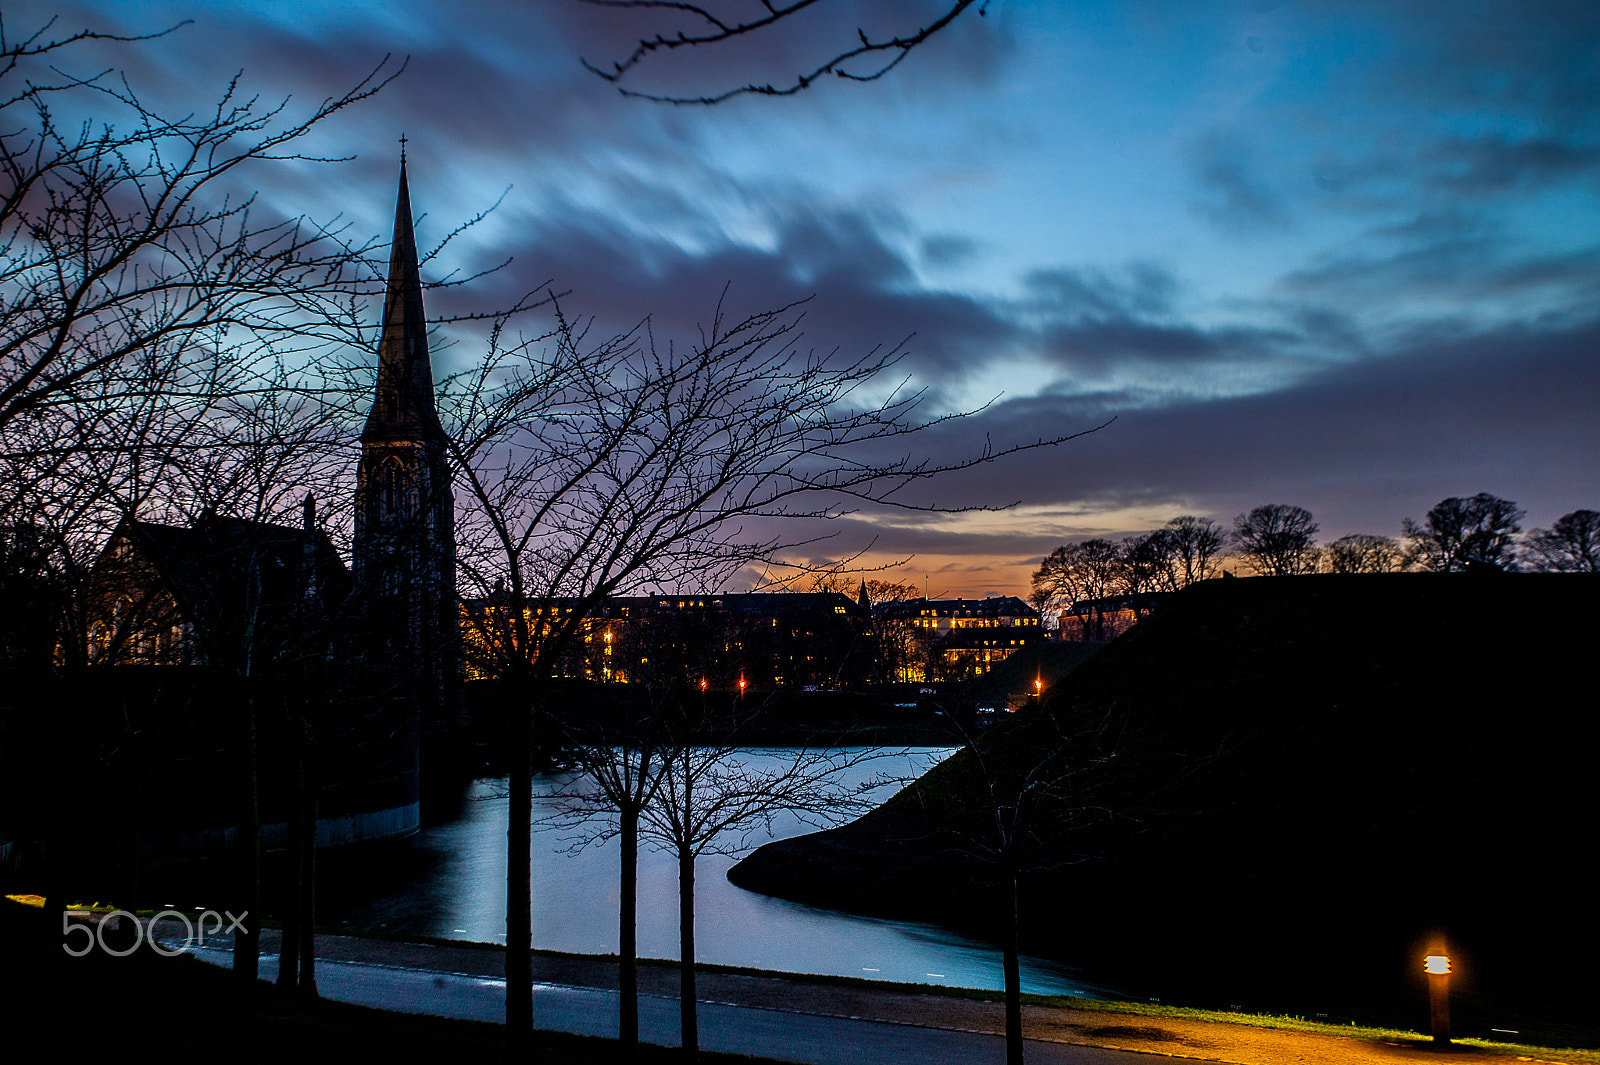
pixel 453 885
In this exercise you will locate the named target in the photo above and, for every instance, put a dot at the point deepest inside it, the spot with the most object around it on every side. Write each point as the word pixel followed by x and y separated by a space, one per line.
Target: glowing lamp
pixel 702 684
pixel 1436 964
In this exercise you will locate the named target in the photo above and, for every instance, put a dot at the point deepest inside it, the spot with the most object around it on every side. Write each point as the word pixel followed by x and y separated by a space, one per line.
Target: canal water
pixel 451 884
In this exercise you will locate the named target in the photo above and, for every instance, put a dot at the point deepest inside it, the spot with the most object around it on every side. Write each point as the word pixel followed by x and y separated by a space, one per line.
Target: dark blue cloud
pixel 1235 195
pixel 1483 165
pixel 1362 445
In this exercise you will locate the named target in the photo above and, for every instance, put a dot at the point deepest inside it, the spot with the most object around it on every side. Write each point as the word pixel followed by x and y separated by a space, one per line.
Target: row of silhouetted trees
pixel 1480 532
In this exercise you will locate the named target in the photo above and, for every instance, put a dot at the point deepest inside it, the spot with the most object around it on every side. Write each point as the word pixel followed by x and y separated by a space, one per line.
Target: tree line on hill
pixel 1481 532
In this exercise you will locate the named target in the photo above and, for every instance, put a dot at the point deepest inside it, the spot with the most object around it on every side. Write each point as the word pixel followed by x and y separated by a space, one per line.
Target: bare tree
pixel 1277 539
pixel 1010 801
pixel 1363 553
pixel 1460 533
pixel 588 469
pixel 714 798
pixel 1086 573
pixel 1195 542
pixel 150 303
pixel 672 772
pixel 1056 581
pixel 1043 601
pixel 191 438
pixel 1083 575
pixel 623 759
pixel 128 237
pixel 1571 545
pixel 188 433
pixel 1148 564
pixel 716 26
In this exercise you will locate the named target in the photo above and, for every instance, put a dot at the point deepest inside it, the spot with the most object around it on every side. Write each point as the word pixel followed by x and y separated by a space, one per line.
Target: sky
pixel 1344 256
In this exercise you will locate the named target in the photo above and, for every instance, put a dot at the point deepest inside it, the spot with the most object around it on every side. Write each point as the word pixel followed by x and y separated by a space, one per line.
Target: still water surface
pixel 455 888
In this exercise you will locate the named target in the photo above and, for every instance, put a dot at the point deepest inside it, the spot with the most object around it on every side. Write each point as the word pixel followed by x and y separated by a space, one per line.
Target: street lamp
pixel 1437 966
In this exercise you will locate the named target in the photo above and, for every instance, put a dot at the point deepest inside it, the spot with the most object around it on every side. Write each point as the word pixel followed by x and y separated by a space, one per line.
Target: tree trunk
pixel 688 1018
pixel 136 829
pixel 627 934
pixel 308 886
pixel 54 879
pixel 247 940
pixel 289 949
pixel 1013 976
pixel 519 890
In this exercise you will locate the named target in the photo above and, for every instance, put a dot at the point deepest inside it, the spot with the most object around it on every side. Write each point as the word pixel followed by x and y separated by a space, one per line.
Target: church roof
pixel 223 572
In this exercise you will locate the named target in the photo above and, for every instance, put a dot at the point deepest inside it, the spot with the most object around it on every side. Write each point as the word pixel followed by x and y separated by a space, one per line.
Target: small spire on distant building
pixel 308 513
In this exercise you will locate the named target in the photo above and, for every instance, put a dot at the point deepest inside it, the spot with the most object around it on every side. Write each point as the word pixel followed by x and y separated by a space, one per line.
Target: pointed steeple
pixel 404 548
pixel 403 406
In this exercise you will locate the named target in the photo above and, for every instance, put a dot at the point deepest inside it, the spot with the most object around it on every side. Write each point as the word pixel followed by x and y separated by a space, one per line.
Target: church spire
pixel 404 548
pixel 403 406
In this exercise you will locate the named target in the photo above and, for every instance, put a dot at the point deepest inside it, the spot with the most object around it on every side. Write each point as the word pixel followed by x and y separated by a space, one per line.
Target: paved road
pixel 790 1036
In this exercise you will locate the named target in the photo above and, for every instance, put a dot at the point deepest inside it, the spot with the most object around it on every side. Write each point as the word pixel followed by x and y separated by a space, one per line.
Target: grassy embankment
pixel 1286 787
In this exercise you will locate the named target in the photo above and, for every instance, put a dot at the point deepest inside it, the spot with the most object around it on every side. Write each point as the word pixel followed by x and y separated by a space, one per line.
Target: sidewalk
pixel 1177 1038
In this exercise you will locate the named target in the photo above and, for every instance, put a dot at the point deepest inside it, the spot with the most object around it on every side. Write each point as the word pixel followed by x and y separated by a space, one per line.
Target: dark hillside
pixel 1290 783
pixel 1048 661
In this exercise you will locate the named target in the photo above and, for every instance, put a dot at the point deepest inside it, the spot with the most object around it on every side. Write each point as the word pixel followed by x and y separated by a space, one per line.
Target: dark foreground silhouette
pixel 1308 777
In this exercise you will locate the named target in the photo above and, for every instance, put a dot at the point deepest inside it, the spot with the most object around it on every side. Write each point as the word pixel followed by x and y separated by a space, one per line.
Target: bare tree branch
pixel 878 56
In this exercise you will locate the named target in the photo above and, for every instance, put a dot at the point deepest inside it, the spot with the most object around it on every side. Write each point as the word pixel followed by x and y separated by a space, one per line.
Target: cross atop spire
pixel 403 407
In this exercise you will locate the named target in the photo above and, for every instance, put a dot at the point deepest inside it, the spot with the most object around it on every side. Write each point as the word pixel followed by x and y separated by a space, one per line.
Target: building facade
pixel 957 639
pixel 768 640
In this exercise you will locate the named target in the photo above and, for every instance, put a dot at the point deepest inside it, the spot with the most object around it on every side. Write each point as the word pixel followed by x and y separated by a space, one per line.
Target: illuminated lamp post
pixel 607 672
pixel 1038 687
pixel 1437 966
